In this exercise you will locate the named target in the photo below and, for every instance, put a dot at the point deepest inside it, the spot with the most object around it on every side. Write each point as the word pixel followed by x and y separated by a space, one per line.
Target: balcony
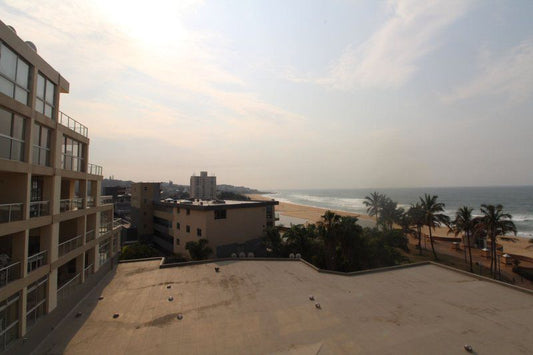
pixel 89 235
pixel 39 208
pixel 88 270
pixel 91 202
pixel 66 289
pixel 9 273
pixel 10 212
pixel 106 200
pixel 70 204
pixel 72 124
pixel 94 169
pixel 69 245
pixel 105 227
pixel 37 260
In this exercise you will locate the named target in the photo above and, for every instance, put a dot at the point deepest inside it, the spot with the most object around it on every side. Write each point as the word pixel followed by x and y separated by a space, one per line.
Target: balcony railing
pixel 37 260
pixel 39 208
pixel 105 227
pixel 69 245
pixel 94 169
pixel 89 235
pixel 70 204
pixel 74 125
pixel 9 273
pixel 66 289
pixel 106 200
pixel 10 212
pixel 88 270
pixel 91 202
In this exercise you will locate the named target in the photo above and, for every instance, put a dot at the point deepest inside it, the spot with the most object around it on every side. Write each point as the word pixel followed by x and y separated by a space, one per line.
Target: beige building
pixel 203 187
pixel 143 195
pixel 55 230
pixel 222 223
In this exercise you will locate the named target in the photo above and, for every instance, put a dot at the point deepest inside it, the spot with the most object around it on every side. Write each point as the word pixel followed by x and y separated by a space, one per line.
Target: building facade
pixel 143 195
pixel 222 223
pixel 203 187
pixel 55 231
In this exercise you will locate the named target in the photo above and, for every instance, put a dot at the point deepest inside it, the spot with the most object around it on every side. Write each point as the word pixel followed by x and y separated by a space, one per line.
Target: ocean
pixel 516 200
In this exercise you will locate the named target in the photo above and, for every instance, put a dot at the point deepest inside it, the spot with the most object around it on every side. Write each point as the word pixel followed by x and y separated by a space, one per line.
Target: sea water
pixel 516 200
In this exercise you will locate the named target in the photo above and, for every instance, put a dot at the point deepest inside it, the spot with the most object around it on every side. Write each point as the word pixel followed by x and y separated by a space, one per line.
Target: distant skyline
pixel 296 94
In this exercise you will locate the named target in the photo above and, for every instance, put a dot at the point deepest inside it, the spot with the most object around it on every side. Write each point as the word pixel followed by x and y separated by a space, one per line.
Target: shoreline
pixel 313 214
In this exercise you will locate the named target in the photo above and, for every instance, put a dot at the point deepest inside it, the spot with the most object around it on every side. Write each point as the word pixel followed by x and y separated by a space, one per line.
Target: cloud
pixel 509 75
pixel 389 58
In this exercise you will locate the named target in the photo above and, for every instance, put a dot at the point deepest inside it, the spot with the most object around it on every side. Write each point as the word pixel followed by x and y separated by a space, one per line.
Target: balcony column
pixel 46 242
pixel 80 266
pixel 52 242
pixel 26 197
pixel 56 195
pixel 23 303
pixel 20 251
pixel 83 192
pixel 96 257
pixel 51 300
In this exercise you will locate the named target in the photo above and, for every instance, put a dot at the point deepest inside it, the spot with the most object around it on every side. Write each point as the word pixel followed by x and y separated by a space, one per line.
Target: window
pixel 177 241
pixel 146 188
pixel 44 102
pixel 72 158
pixel 178 210
pixel 178 226
pixel 198 232
pixel 12 132
pixel 188 211
pixel 188 229
pixel 14 75
pixel 9 315
pixel 36 301
pixel 162 222
pixel 220 214
pixel 41 145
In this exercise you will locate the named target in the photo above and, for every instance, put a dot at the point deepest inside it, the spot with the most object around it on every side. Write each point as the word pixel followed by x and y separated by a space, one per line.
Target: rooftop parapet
pixel 72 124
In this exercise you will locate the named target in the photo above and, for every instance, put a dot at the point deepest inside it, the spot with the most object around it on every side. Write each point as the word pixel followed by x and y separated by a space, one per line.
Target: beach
pixel 520 246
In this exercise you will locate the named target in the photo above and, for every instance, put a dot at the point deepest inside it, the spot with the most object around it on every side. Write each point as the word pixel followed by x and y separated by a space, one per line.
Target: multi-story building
pixel 203 187
pixel 55 232
pixel 174 223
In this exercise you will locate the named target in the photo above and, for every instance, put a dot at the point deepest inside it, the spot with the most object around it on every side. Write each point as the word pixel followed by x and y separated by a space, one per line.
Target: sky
pixel 296 94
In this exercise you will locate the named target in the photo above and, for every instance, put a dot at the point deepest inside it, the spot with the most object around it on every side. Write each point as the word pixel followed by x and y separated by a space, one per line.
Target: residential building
pixel 203 187
pixel 143 195
pixel 55 232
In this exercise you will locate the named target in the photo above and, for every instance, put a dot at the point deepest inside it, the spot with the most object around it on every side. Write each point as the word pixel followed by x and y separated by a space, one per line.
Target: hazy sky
pixel 296 94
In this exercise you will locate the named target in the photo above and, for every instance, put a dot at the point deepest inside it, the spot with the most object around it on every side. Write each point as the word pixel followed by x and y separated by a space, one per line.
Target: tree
pixel 416 217
pixel 373 202
pixel 301 239
pixel 433 216
pixel 272 241
pixel 327 231
pixel 464 223
pixel 199 250
pixel 495 222
pixel 390 213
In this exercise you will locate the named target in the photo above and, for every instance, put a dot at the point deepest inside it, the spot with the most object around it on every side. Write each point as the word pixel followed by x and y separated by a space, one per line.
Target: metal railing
pixel 70 204
pixel 104 228
pixel 67 288
pixel 10 212
pixel 91 202
pixel 94 169
pixel 70 245
pixel 89 235
pixel 37 260
pixel 9 273
pixel 87 271
pixel 106 200
pixel 74 125
pixel 39 208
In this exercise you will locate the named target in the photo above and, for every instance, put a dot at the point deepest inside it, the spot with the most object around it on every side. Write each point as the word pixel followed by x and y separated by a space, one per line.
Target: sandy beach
pixel 313 214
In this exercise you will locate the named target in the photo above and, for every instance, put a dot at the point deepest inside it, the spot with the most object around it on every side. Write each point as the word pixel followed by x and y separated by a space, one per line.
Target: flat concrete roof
pixel 261 307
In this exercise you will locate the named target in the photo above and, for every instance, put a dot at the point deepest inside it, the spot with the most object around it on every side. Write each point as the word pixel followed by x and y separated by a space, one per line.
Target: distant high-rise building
pixel 203 187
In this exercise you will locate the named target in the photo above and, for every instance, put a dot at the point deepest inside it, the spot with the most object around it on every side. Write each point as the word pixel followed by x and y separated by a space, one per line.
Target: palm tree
pixel 327 231
pixel 464 223
pixel 433 216
pixel 198 250
pixel 272 241
pixel 300 239
pixel 373 202
pixel 495 222
pixel 416 216
pixel 390 213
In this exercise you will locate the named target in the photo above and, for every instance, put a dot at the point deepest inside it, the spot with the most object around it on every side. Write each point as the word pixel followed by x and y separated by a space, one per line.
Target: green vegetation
pixel 199 250
pixel 138 251
pixel 230 195
pixel 338 243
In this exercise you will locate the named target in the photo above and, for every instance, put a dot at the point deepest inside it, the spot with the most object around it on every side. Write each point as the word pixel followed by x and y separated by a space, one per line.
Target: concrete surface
pixel 261 307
